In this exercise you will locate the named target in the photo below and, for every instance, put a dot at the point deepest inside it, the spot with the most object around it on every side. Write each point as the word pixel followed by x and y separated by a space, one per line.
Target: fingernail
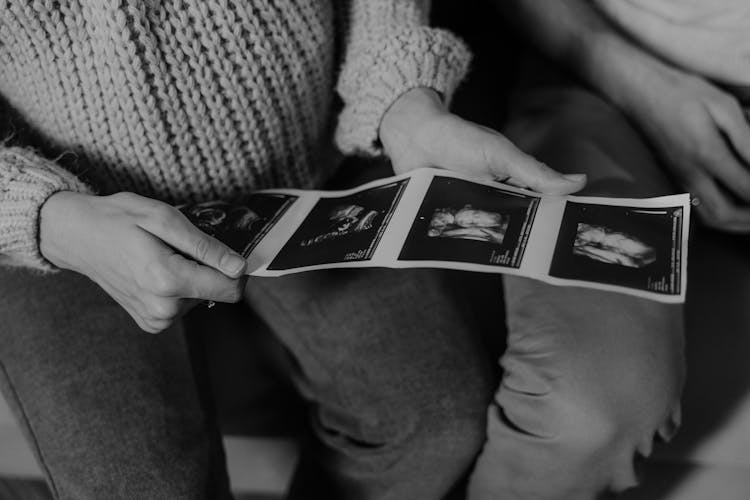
pixel 575 177
pixel 233 264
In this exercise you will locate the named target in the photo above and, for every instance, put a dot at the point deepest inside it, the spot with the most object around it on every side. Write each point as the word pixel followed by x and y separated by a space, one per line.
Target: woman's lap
pixel 390 361
pixel 105 404
pixel 397 379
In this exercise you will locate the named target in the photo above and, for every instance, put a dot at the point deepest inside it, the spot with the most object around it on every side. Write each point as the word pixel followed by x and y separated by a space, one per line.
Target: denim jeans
pixel 590 378
pixel 111 412
pixel 397 380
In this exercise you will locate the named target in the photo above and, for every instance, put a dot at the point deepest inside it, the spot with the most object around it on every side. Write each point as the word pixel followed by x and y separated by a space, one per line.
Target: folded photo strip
pixel 442 219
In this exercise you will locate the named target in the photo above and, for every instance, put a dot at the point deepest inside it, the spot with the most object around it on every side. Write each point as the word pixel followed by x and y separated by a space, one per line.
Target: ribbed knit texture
pixel 26 181
pixel 390 50
pixel 190 100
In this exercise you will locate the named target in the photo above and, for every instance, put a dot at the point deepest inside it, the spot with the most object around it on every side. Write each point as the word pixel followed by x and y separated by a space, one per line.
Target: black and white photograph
pixel 240 226
pixel 345 229
pixel 428 277
pixel 637 248
pixel 462 221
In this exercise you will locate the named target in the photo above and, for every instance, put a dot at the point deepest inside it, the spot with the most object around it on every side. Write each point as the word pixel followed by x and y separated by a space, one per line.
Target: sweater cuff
pixel 411 58
pixel 26 182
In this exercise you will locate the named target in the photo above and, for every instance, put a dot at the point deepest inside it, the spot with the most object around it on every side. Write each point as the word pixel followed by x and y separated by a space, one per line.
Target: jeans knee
pixel 543 447
pixel 593 416
pixel 453 421
pixel 609 445
pixel 439 425
pixel 456 434
pixel 599 439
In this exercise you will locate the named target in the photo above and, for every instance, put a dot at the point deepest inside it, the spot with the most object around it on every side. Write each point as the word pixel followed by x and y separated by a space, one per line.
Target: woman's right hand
pixel 144 253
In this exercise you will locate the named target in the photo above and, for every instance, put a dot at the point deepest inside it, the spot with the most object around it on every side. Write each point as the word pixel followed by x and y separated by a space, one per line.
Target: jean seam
pixel 27 423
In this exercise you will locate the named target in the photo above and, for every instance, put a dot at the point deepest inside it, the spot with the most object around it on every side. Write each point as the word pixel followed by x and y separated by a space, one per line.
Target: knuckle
pixel 229 291
pixel 236 292
pixel 161 281
pixel 155 326
pixel 161 214
pixel 124 197
pixel 163 309
pixel 493 157
pixel 145 325
pixel 202 248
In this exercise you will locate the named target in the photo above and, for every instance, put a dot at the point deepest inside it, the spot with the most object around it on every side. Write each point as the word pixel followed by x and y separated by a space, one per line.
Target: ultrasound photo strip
pixel 441 219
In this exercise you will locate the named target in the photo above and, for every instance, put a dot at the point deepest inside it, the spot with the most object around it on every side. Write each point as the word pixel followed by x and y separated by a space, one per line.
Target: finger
pixel 526 171
pixel 154 326
pixel 195 281
pixel 515 182
pixel 163 308
pixel 721 162
pixel 491 155
pixel 715 207
pixel 145 317
pixel 732 121
pixel 176 230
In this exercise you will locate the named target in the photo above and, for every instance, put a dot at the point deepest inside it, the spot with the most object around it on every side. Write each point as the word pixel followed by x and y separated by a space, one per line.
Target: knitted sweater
pixel 190 100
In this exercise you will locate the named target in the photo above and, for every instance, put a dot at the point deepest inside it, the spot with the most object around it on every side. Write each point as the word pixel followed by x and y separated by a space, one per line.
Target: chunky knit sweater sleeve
pixel 390 49
pixel 26 181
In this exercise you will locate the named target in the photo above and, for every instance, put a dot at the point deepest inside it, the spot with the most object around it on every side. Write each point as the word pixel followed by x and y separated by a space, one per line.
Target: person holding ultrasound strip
pixel 133 106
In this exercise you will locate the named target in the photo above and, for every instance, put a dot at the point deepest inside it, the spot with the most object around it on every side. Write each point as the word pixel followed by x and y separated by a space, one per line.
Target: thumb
pixel 485 153
pixel 178 232
pixel 525 171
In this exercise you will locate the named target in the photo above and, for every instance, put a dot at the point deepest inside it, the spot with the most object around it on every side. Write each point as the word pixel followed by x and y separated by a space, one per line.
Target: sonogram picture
pixel 437 218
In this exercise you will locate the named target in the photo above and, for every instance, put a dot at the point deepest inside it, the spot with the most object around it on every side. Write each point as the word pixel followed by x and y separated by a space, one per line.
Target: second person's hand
pixel 701 134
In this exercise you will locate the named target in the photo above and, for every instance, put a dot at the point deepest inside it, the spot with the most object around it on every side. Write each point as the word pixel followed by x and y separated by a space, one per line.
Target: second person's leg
pixel 590 377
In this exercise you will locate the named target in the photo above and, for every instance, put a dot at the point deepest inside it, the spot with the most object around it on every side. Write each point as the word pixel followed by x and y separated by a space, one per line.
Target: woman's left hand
pixel 418 131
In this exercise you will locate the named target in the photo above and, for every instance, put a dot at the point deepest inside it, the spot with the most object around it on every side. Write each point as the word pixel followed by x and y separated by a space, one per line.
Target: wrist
pixel 54 216
pixel 609 65
pixel 627 76
pixel 407 114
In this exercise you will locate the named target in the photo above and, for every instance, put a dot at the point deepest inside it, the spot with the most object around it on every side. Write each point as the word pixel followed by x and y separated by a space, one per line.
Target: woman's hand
pixel 417 131
pixel 145 254
pixel 702 136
